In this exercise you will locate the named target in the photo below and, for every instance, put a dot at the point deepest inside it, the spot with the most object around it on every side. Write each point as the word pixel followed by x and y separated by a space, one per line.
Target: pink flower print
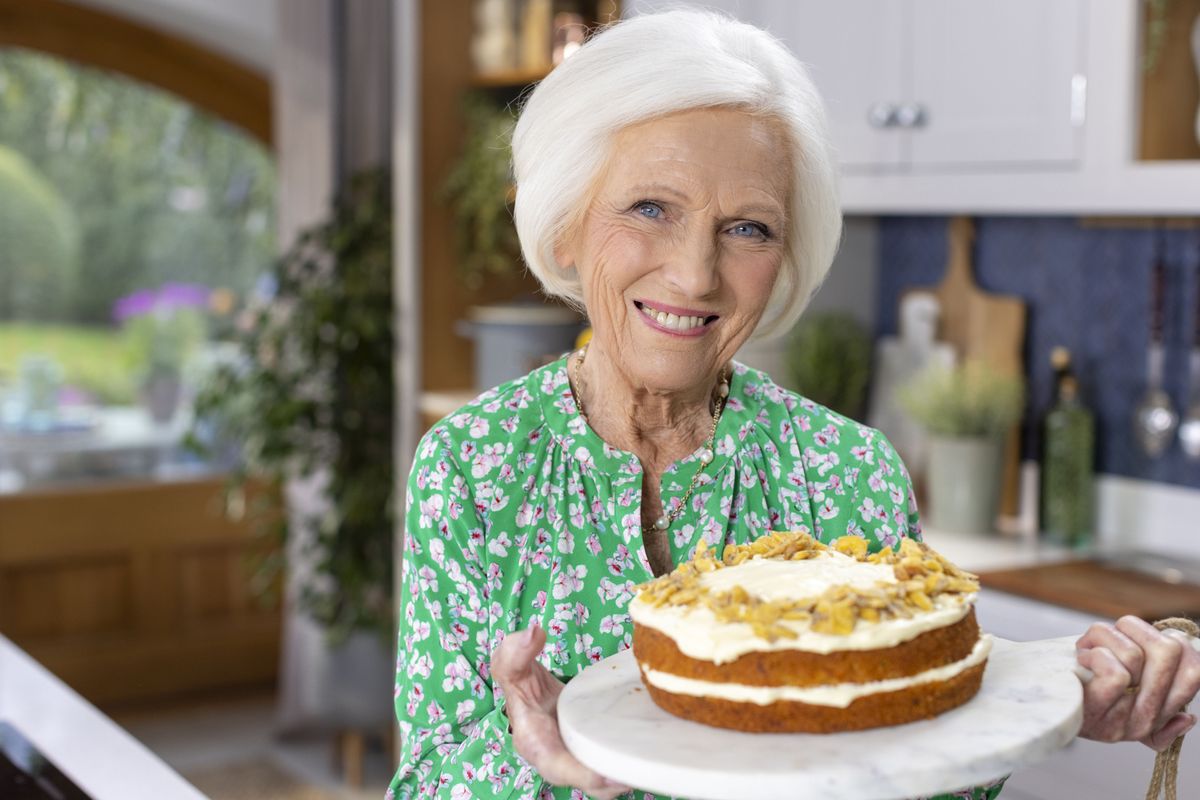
pixel 534 436
pixel 881 513
pixel 581 614
pixel 614 624
pixel 804 422
pixel 467 451
pixel 427 580
pixel 509 424
pixel 569 581
pixel 683 535
pixel 498 545
pixel 726 446
pixel 556 627
pixel 539 601
pixel 420 630
pixel 586 461
pixel 828 509
pixel 575 511
pixel 460 792
pixel 863 454
pixel 835 485
pixel 867 509
pixel 435 712
pixel 431 509
pixel 895 494
pixel 714 530
pixel 875 481
pixel 886 536
pixel 593 543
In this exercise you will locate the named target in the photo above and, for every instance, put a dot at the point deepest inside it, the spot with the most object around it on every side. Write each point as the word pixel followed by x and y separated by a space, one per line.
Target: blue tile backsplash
pixel 1086 288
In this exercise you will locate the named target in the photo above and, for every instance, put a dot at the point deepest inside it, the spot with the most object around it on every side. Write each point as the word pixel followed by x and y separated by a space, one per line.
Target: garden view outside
pixel 135 232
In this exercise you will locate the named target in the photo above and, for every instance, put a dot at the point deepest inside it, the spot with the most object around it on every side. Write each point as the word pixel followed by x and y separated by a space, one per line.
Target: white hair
pixel 650 66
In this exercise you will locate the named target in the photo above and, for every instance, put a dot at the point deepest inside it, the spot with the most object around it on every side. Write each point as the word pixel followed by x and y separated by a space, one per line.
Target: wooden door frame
pixel 204 78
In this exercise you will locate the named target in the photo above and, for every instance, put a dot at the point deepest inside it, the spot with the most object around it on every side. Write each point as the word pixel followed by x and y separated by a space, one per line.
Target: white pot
pixel 964 477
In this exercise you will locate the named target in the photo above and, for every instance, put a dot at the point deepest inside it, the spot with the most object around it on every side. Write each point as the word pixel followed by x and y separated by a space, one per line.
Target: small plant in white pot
pixel 967 411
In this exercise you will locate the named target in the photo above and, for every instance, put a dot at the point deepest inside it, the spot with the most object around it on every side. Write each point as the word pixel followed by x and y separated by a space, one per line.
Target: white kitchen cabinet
pixel 1030 106
pixel 935 84
pixel 922 85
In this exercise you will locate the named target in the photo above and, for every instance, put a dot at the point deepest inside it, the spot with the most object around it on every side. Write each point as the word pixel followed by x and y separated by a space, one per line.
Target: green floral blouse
pixel 518 511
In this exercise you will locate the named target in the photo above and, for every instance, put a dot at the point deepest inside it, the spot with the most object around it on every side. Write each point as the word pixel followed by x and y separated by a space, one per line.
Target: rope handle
pixel 1166 763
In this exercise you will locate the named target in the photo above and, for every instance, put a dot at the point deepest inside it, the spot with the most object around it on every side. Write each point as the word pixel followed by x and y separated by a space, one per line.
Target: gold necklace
pixel 706 455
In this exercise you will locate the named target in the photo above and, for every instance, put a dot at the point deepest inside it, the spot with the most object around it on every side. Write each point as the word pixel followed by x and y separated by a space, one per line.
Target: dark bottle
pixel 1068 447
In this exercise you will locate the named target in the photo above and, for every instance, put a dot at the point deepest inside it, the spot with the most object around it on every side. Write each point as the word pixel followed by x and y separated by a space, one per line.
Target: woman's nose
pixel 691 265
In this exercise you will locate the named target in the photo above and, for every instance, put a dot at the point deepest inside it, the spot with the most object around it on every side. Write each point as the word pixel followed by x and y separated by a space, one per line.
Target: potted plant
pixel 967 410
pixel 510 338
pixel 829 355
pixel 163 329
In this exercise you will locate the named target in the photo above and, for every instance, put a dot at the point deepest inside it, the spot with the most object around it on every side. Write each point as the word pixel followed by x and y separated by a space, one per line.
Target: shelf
pixel 1170 91
pixel 509 78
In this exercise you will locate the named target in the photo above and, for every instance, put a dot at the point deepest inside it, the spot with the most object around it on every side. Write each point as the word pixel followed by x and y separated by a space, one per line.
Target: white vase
pixel 964 477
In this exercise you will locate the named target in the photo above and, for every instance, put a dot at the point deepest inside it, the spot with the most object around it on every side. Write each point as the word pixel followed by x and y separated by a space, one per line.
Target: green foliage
pixel 830 359
pixel 478 189
pixel 39 257
pixel 314 392
pixel 969 400
pixel 161 192
pixel 93 359
pixel 157 344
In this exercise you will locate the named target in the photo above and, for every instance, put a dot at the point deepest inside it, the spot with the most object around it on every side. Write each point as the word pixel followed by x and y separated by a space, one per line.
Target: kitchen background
pixel 148 434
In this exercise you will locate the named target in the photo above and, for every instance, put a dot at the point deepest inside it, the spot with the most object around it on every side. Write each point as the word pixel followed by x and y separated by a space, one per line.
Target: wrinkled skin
pixel 1163 666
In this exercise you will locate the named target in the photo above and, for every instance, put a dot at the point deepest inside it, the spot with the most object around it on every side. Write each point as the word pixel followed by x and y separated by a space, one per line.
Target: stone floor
pixel 228 745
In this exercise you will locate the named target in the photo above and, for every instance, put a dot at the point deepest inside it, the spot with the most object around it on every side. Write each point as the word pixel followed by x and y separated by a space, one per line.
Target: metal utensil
pixel 1155 417
pixel 1189 429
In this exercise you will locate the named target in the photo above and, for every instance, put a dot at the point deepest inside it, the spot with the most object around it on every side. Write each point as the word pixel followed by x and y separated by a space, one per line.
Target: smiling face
pixel 681 243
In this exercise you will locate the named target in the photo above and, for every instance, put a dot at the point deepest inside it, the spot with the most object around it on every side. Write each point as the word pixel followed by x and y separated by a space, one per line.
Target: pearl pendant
pixel 661 523
pixel 706 456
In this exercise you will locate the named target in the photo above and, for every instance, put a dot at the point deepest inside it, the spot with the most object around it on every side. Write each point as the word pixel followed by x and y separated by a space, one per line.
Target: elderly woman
pixel 675 178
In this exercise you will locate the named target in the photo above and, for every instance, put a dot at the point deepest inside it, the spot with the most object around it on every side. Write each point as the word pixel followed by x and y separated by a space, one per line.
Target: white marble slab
pixel 1029 706
pixel 88 747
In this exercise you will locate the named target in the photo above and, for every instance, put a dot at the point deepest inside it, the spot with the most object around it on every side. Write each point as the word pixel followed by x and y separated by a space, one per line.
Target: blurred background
pixel 251 249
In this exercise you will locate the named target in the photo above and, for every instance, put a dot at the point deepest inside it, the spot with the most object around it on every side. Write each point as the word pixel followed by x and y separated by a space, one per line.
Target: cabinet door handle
pixel 882 115
pixel 911 115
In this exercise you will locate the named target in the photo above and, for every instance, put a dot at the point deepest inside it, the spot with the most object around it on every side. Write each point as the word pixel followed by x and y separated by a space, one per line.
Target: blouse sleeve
pixel 454 732
pixel 882 508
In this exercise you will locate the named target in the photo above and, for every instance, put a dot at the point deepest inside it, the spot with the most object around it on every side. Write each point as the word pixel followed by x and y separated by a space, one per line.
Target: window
pixel 133 229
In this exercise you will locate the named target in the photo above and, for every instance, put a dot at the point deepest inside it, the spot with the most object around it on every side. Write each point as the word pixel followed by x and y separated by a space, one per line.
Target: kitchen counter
pixel 983 552
pixel 88 747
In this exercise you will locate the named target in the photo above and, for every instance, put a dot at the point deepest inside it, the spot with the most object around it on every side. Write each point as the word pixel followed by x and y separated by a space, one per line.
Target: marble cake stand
pixel 1030 705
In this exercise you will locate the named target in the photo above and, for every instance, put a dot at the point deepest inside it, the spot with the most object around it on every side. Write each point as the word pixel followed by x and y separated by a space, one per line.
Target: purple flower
pixel 166 299
pixel 182 295
pixel 137 304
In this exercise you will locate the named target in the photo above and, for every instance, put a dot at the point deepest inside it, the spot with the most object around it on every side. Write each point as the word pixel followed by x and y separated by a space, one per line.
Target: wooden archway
pixel 95 38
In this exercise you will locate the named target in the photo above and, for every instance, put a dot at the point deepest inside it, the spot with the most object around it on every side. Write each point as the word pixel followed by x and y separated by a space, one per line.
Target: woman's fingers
pixel 531 701
pixel 523 679
pixel 1105 701
pixel 1176 726
pixel 1187 676
pixel 1119 643
pixel 1163 655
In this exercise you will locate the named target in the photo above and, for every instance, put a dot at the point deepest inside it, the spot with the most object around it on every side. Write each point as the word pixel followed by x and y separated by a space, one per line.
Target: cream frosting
pixel 837 695
pixel 699 634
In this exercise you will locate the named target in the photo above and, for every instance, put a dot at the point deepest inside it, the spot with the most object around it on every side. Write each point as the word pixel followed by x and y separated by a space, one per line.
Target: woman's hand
pixel 1142 679
pixel 531 694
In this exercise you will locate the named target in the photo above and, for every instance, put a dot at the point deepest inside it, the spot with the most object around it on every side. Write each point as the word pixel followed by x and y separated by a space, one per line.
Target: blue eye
pixel 747 229
pixel 649 210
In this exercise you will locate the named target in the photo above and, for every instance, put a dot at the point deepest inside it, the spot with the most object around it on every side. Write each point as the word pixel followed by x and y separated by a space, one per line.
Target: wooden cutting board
pixel 984 327
pixel 1100 589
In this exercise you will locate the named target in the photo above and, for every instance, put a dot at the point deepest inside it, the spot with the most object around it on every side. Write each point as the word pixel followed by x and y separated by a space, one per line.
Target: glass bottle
pixel 1068 448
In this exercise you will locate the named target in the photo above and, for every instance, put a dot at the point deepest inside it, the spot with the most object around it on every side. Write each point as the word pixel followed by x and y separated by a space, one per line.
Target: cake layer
pixel 699 634
pixel 934 648
pixel 838 695
pixel 922 701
